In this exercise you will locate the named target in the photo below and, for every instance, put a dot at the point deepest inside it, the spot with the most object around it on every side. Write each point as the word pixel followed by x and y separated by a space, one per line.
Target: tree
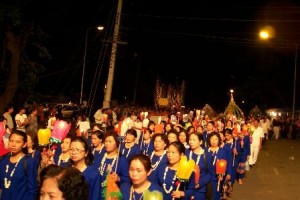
pixel 22 50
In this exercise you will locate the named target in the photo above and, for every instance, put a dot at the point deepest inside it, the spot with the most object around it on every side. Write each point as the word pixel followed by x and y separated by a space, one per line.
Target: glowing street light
pixel 264 35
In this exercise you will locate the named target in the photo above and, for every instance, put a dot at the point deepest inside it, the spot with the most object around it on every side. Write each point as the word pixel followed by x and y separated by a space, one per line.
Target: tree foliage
pixel 23 53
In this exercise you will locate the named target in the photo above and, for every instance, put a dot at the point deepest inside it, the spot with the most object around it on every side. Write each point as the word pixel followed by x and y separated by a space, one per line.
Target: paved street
pixel 276 175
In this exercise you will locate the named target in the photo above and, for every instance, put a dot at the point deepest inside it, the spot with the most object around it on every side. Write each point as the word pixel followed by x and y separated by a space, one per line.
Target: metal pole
pixel 110 78
pixel 83 65
pixel 295 80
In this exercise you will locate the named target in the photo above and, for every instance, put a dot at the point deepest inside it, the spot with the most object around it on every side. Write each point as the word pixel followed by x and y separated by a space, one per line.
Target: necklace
pixel 198 156
pixel 132 194
pixel 103 163
pixel 165 185
pixel 7 182
pixel 123 151
pixel 146 147
pixel 154 166
pixel 94 150
pixel 214 153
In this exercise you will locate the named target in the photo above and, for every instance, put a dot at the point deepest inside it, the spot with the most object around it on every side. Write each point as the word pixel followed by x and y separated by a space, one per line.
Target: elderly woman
pixel 62 183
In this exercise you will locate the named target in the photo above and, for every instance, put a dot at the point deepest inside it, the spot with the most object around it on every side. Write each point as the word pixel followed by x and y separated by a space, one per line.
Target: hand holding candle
pixel 184 170
pixel 220 170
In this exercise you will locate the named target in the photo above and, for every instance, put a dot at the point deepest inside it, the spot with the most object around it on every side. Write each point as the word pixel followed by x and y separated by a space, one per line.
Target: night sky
pixel 212 45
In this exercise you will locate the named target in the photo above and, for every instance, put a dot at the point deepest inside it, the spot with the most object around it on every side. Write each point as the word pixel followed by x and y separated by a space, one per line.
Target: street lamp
pixel 266 34
pixel 100 28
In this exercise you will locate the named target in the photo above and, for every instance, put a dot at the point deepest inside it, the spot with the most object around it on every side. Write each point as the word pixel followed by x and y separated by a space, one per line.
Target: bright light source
pixel 100 28
pixel 264 35
pixel 267 33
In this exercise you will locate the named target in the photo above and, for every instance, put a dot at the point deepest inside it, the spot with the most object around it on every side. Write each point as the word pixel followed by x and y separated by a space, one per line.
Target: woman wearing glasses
pixel 82 159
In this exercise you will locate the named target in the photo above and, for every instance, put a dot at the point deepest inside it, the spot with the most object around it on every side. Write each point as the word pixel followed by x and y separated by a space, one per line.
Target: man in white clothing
pixel 127 123
pixel 21 119
pixel 266 126
pixel 256 143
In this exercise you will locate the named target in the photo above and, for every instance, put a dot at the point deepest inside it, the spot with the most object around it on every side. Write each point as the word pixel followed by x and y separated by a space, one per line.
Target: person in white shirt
pixel 83 126
pixel 127 123
pixel 138 127
pixel 21 119
pixel 98 116
pixel 266 126
pixel 256 143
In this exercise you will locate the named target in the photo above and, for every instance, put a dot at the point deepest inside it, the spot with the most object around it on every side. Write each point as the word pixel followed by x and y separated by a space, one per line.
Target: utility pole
pixel 110 78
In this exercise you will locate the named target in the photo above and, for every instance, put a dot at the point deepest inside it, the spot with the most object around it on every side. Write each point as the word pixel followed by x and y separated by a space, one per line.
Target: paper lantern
pixel 221 166
pixel 116 128
pixel 2 129
pixel 60 130
pixel 158 128
pixel 104 117
pixel 154 195
pixel 44 136
pixel 185 168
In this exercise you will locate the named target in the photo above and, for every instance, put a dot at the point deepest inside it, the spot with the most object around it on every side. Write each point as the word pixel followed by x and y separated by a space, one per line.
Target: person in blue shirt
pixel 158 156
pixel 202 160
pixel 62 155
pixel 146 144
pixel 112 162
pixel 97 146
pixel 15 172
pixel 243 157
pixel 82 159
pixel 34 157
pixel 139 168
pixel 217 153
pixel 167 178
pixel 129 148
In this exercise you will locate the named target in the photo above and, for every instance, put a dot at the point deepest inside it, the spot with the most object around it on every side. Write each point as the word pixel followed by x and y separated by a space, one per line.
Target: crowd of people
pixel 130 153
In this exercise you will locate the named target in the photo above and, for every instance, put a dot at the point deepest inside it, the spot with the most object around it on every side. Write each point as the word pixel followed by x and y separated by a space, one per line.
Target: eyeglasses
pixel 76 151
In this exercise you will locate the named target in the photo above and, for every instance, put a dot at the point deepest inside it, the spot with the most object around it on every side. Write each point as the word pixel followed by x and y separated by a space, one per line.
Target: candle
pixel 221 166
pixel 185 168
